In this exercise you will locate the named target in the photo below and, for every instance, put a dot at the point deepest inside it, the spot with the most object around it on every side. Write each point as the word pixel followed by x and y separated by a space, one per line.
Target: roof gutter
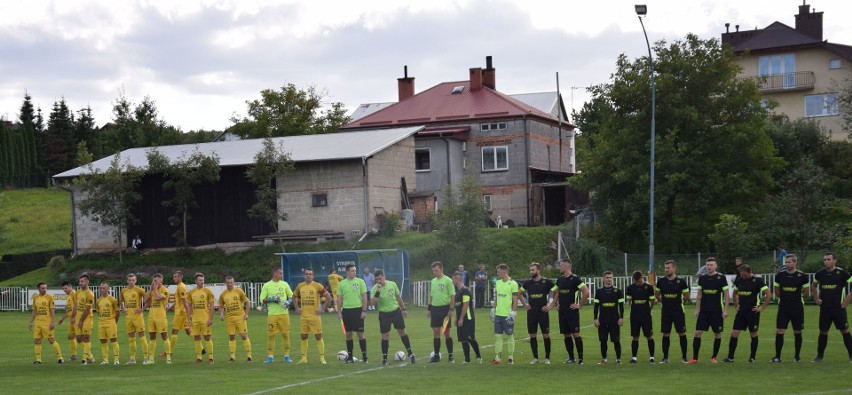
pixel 527 167
pixel 366 196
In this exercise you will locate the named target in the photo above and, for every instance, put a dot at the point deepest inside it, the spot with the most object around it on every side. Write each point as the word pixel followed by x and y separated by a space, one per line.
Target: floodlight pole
pixel 642 10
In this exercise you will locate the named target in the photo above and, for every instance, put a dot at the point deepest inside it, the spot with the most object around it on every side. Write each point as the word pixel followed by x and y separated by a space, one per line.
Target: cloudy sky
pixel 201 60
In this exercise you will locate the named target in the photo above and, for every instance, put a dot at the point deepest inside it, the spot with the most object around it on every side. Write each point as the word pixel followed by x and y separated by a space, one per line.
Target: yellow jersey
pixel 200 299
pixel 107 310
pixel 158 307
pixel 43 306
pixel 180 296
pixel 132 299
pixel 333 281
pixel 83 301
pixel 309 297
pixel 69 303
pixel 233 302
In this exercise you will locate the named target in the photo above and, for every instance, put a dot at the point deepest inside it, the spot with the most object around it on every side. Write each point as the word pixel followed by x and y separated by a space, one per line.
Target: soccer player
pixel 829 285
pixel 747 289
pixel 84 299
pixel 711 308
pixel 70 295
pixel 236 304
pixel 306 299
pixel 199 313
pixel 573 294
pixel 108 313
pixel 609 317
pixel 351 303
pixel 672 291
pixel 441 293
pixel 179 320
pixel 134 319
pixel 276 295
pixel 505 303
pixel 465 320
pixel 387 299
pixel 791 288
pixel 334 280
pixel 156 300
pixel 641 297
pixel 41 323
pixel 539 292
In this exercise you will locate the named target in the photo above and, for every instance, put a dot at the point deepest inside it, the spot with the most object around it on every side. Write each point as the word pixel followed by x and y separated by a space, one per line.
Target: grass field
pixel 831 376
pixel 37 219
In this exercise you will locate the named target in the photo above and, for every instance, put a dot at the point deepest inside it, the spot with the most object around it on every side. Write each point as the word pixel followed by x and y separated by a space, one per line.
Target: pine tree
pixel 59 140
pixel 30 156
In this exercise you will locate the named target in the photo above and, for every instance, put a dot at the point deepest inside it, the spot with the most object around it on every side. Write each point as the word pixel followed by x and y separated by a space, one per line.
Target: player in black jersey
pixel 572 295
pixel 465 320
pixel 829 285
pixel 672 291
pixel 747 292
pixel 609 316
pixel 641 297
pixel 711 308
pixel 538 291
pixel 791 289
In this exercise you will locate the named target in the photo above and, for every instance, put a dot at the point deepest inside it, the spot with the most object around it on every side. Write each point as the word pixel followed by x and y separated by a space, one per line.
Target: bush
pixel 56 263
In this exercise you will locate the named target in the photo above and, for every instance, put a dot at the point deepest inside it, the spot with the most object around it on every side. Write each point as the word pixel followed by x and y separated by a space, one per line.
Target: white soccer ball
pixel 432 354
pixel 399 356
pixel 342 355
pixel 259 308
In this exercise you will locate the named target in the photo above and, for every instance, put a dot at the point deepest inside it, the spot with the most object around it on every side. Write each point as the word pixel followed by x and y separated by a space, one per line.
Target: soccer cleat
pixel 568 361
pixel 450 359
pixel 618 362
pixel 151 362
pixel 203 351
pixel 384 363
pixel 197 361
pixel 130 361
pixel 287 358
pixel 303 361
pixel 751 360
pixel 547 361
pixel 163 355
pixel 728 360
pixel 365 359
pixel 168 361
pixel 693 361
pixel 60 361
pixel 91 360
pixel 713 360
pixel 797 359
pixel 818 359
pixel 248 359
pixel 322 361
pixel 684 360
pixel 231 359
pixel 210 361
pixel 465 363
pixel 580 362
pixel 349 360
pixel 534 361
pixel 633 360
pixel 651 360
pixel 73 357
pixel 37 363
pixel 775 360
pixel 411 358
pixel 479 361
pixel 496 362
pixel 664 360
pixel 116 362
pixel 269 360
pixel 510 361
pixel 435 358
pixel 603 362
pixel 145 361
pixel 85 362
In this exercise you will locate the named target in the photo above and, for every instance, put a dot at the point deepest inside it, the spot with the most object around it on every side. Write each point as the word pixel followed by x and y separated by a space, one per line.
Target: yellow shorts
pixel 42 331
pixel 200 328
pixel 106 332
pixel 310 324
pixel 158 325
pixel 134 323
pixel 86 330
pixel 278 323
pixel 179 322
pixel 236 324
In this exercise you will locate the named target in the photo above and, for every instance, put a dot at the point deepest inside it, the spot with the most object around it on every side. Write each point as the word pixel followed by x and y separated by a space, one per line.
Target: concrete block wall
pixel 340 180
pixel 92 236
pixel 386 170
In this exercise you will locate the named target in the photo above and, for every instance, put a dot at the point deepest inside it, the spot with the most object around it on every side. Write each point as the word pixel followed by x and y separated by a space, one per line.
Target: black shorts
pixel 609 330
pixel 538 320
pixel 438 315
pixel 834 315
pixel 710 320
pixel 667 318
pixel 392 318
pixel 790 316
pixel 466 332
pixel 352 320
pixel 747 319
pixel 642 322
pixel 569 321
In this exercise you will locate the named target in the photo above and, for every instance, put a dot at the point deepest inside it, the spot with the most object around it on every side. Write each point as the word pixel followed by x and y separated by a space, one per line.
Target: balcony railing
pixel 799 80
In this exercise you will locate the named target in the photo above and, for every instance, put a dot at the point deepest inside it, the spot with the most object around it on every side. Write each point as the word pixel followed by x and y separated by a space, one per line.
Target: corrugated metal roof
pixel 316 147
pixel 367 109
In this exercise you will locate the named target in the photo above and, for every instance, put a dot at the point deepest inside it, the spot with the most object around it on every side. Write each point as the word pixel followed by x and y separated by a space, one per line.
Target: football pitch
pixel 184 376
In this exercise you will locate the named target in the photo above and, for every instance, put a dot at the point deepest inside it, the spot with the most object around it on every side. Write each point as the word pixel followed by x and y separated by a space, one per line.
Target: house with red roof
pixel 521 153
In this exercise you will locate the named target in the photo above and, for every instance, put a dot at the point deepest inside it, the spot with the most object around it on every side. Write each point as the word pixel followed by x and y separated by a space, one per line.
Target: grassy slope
pixel 35 220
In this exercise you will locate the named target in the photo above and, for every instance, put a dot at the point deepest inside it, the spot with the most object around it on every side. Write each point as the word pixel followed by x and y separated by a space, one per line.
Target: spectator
pixel 369 279
pixel 465 279
pixel 480 280
pixel 779 264
pixel 136 244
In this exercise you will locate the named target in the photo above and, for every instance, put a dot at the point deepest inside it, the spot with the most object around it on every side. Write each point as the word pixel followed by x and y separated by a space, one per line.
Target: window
pixel 422 159
pixel 492 126
pixel 821 105
pixel 486 200
pixel 834 64
pixel 495 158
pixel 777 65
pixel 319 199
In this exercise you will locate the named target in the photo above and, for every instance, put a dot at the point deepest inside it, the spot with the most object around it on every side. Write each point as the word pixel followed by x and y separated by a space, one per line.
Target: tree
pixel 731 237
pixel 59 139
pixel 713 155
pixel 844 103
pixel 461 219
pixel 110 195
pixel 30 155
pixel 181 176
pixel 270 164
pixel 289 112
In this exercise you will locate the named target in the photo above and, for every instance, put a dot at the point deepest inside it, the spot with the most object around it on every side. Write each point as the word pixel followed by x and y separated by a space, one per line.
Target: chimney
pixel 475 78
pixel 405 85
pixel 809 23
pixel 489 74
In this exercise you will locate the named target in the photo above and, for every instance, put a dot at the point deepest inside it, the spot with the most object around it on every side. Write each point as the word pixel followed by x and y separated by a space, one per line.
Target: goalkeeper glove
pixel 493 314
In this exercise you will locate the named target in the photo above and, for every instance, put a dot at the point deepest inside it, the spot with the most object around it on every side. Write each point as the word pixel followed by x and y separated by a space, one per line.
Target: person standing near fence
pixel 573 294
pixel 134 320
pixel 441 294
pixel 791 289
pixel 41 323
pixel 672 291
pixel 640 294
pixel 747 292
pixel 829 285
pixel 369 278
pixel 609 316
pixel 538 315
pixel 480 282
pixel 70 295
pixel 711 308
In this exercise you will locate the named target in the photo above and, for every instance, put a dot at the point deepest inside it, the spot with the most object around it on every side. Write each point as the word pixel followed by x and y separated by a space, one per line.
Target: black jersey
pixel 569 290
pixel 832 286
pixel 537 293
pixel 462 296
pixel 791 286
pixel 671 292
pixel 712 290
pixel 640 298
pixel 609 304
pixel 749 291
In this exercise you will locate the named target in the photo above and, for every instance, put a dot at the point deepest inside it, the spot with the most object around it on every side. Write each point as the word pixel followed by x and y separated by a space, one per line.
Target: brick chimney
pixel 475 78
pixel 488 74
pixel 405 85
pixel 809 23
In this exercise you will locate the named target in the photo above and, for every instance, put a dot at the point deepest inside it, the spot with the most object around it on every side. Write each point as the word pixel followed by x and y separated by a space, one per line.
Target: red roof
pixel 440 105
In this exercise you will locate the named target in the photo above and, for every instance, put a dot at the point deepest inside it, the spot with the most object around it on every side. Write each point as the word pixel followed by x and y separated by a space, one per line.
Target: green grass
pixel 36 220
pixel 241 377
pixel 27 279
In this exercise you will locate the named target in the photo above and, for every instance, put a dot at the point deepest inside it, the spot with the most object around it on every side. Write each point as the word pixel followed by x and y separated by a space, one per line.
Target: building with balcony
pixel 795 67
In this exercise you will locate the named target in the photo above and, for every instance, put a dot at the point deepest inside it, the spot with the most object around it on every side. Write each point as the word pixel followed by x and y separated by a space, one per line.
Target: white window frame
pixel 494 165
pixel 487 202
pixel 828 106
pixel 429 151
pixel 485 127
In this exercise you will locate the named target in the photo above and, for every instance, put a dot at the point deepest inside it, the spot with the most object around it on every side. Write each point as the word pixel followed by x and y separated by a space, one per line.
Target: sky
pixel 200 61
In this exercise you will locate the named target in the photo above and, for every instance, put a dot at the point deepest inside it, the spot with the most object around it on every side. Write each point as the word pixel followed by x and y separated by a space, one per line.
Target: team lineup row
pixel 450 301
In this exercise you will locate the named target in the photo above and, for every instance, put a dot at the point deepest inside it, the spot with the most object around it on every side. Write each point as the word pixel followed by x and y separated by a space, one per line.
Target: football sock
pixel 732 347
pixel 209 347
pixel 232 347
pixel 363 344
pixel 406 343
pixel 56 349
pixel 145 353
pixel 38 352
pixel 247 346
pixel 634 348
pixel 105 352
pixel 651 347
pixel 511 346
pixel 385 346
pixel 321 347
pixel 350 344
pixel 152 348
pixel 73 343
pixel 304 346
pixel 436 345
pixel 683 346
pixel 116 350
pixel 847 340
pixel 798 343
pixel 754 342
pixel 449 342
pixel 173 344
pixel 822 342
pixel 667 341
pixel 617 347
pixel 547 347
pixel 603 349
pixel 466 349
pixel 198 349
pixel 696 345
pixel 475 345
pixel 717 344
pixel 498 346
pixel 569 346
pixel 534 346
pixel 132 345
pixel 779 344
pixel 579 341
pixel 167 346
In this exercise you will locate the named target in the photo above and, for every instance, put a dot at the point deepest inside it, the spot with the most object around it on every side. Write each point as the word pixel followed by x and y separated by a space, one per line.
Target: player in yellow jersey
pixel 276 295
pixel 131 301
pixel 236 304
pixel 82 317
pixel 69 310
pixel 179 320
pixel 156 299
pixel 108 313
pixel 199 313
pixel 41 323
pixel 306 299
pixel 334 280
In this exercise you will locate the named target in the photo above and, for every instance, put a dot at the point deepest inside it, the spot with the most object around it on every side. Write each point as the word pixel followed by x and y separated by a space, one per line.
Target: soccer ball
pixel 342 355
pixel 432 354
pixel 399 356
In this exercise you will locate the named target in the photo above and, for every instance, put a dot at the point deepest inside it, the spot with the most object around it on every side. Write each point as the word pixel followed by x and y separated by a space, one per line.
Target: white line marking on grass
pixel 323 379
pixel 840 391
